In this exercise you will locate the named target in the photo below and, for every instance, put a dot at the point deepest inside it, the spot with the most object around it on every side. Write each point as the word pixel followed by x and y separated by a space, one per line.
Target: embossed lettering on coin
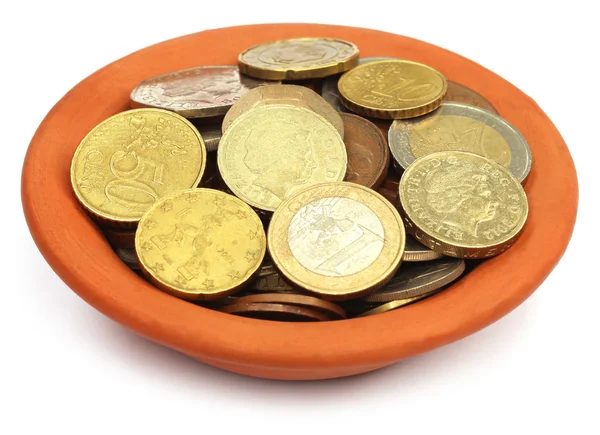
pixel 460 127
pixel 339 240
pixel 462 204
pixel 196 92
pixel 273 151
pixel 129 161
pixel 392 89
pixel 200 244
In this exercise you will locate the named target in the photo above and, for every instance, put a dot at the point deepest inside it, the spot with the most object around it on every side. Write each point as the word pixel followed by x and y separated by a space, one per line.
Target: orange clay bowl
pixel 78 252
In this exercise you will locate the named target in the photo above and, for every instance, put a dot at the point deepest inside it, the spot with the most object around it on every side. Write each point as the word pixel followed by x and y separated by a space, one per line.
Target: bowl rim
pixel 80 255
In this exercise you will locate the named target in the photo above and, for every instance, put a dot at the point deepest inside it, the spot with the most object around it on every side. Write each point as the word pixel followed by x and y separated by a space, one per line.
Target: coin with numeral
pixel 200 244
pixel 131 160
pixel 338 240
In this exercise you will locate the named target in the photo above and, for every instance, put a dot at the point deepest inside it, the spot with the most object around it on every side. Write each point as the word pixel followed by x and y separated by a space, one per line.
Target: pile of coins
pixel 304 184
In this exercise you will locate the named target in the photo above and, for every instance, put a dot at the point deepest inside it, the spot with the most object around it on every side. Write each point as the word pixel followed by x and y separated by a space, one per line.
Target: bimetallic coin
pixel 200 244
pixel 196 92
pixel 367 150
pixel 415 251
pixel 297 59
pixel 462 205
pixel 332 310
pixel 418 279
pixel 460 127
pixel 273 151
pixel 329 87
pixel 132 159
pixel 392 89
pixel 284 94
pixel 278 312
pixel 461 94
pixel 338 240
pixel 392 305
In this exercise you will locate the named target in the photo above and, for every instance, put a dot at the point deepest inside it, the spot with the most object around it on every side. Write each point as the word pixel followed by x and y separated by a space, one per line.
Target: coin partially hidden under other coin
pixel 419 279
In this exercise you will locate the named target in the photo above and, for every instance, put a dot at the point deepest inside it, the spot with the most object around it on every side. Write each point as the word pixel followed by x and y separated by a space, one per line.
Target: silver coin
pixel 211 135
pixel 460 127
pixel 415 251
pixel 128 257
pixel 329 88
pixel 418 279
pixel 199 92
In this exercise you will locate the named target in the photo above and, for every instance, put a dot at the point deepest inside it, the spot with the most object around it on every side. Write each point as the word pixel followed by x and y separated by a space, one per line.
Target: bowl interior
pixel 80 255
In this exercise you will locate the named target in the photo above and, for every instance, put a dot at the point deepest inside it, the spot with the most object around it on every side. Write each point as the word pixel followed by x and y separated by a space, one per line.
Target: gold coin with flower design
pixel 338 240
pixel 273 151
pixel 392 89
pixel 132 159
pixel 296 59
pixel 200 244
pixel 462 205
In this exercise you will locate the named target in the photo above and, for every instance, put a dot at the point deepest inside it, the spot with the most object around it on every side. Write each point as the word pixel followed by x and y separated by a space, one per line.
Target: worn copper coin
pixel 419 279
pixel 329 308
pixel 367 149
pixel 415 251
pixel 284 94
pixel 461 94
pixel 280 312
pixel 120 238
pixel 196 92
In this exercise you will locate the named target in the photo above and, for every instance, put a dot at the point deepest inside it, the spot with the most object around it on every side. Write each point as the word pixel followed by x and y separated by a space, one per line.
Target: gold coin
pixel 338 240
pixel 392 89
pixel 284 94
pixel 273 151
pixel 392 305
pixel 200 244
pixel 296 59
pixel 462 205
pixel 417 252
pixel 132 159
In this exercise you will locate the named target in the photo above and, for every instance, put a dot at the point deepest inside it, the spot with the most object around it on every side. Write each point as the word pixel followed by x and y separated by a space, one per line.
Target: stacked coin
pixel 242 189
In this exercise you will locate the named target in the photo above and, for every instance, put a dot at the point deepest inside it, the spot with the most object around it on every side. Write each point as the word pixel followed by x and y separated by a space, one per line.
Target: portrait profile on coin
pixel 463 202
pixel 209 89
pixel 290 162
pixel 299 53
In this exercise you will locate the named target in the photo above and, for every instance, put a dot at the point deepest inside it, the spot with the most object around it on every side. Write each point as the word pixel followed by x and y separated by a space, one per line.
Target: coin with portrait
pixel 460 127
pixel 338 240
pixel 300 58
pixel 131 160
pixel 462 205
pixel 200 244
pixel 284 94
pixel 392 89
pixel 196 92
pixel 272 151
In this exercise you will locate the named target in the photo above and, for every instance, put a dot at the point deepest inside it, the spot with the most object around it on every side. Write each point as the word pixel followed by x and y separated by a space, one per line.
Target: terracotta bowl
pixel 81 256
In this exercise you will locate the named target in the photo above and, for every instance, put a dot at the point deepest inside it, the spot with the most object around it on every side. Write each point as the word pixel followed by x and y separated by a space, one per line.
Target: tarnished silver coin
pixel 460 127
pixel 418 279
pixel 196 92
pixel 329 88
pixel 128 257
pixel 415 251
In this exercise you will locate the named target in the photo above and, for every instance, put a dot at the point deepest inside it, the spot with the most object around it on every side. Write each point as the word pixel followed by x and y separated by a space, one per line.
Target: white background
pixel 66 367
